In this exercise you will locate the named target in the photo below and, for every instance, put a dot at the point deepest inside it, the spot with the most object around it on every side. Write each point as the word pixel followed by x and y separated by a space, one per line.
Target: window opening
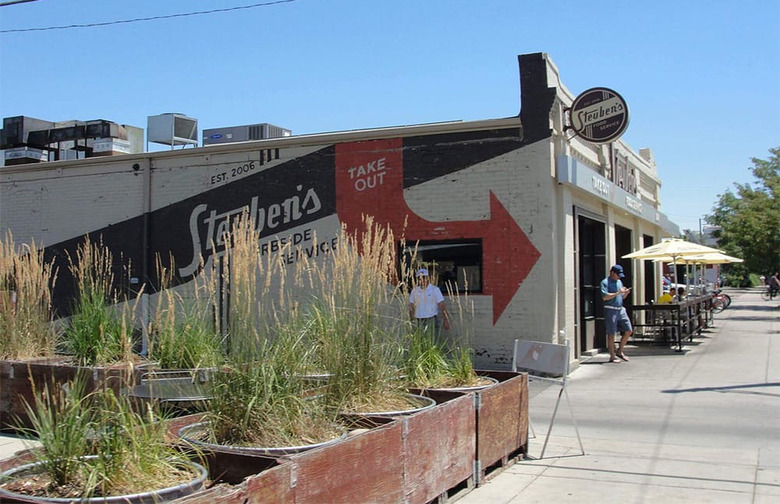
pixel 455 266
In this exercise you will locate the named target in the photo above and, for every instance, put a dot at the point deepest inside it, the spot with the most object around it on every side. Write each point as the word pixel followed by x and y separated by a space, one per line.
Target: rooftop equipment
pixel 16 130
pixel 172 129
pixel 245 133
pixel 26 140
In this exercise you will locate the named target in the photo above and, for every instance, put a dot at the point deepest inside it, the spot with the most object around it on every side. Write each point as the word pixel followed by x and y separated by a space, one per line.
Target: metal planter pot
pixel 183 390
pixel 152 497
pixel 189 433
pixel 475 388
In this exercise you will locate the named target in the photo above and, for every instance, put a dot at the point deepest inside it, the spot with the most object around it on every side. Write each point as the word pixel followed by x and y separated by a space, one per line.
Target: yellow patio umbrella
pixel 672 250
pixel 703 259
pixel 711 258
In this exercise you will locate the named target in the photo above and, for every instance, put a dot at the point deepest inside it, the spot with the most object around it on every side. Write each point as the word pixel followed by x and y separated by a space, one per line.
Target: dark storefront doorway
pixel 622 247
pixel 649 272
pixel 592 266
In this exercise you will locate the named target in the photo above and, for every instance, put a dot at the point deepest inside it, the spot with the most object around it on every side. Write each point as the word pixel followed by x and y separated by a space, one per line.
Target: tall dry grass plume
pixel 26 282
pixel 185 330
pixel 259 398
pixel 260 299
pixel 359 314
pixel 99 331
pixel 343 313
pixel 340 313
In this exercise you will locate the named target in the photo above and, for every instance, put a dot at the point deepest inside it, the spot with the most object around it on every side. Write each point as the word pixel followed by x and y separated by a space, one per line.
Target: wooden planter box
pixel 17 378
pixel 440 449
pixel 415 459
pixel 366 467
pixel 269 487
pixel 502 422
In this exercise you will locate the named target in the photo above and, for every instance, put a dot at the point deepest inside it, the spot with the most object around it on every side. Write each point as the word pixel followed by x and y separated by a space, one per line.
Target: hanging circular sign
pixel 599 115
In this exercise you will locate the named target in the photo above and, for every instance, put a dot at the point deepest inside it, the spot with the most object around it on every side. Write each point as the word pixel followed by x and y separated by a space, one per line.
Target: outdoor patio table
pixel 664 319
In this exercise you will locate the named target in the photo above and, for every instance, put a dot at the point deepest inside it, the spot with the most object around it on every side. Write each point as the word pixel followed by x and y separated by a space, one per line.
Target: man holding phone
pixel 615 317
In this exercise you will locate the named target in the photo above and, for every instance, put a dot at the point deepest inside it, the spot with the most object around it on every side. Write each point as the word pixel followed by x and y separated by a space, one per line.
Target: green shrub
pixel 126 451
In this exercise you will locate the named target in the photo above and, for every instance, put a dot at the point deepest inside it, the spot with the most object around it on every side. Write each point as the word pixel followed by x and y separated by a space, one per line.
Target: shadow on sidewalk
pixel 768 318
pixel 729 388
pixel 640 349
pixel 765 307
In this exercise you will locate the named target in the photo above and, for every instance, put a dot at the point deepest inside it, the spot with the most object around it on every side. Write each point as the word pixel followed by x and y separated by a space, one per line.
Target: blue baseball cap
pixel 618 269
pixel 422 272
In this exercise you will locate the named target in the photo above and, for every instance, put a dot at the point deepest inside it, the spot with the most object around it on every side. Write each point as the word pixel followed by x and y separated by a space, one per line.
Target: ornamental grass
pixel 185 330
pixel 99 331
pixel 95 445
pixel 26 283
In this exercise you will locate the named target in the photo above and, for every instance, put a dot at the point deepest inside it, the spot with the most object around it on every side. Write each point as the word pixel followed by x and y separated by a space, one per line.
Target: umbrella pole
pixel 704 284
pixel 679 322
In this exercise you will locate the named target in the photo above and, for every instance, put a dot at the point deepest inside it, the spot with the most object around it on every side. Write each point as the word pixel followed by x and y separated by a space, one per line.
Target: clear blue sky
pixel 702 77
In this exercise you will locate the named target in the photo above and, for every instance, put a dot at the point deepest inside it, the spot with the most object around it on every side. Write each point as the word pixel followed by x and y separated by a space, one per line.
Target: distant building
pixel 708 236
pixel 705 237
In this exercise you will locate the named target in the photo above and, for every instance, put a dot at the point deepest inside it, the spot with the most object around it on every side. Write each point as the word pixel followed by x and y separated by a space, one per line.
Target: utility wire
pixel 12 2
pixel 151 18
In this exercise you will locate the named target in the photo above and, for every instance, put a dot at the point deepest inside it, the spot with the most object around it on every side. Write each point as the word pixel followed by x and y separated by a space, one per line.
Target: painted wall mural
pixel 370 181
pixel 288 198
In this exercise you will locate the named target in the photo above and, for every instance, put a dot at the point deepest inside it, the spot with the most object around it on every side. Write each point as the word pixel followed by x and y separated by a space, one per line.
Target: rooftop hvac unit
pixel 172 129
pixel 105 129
pixel 16 130
pixel 243 133
pixel 78 131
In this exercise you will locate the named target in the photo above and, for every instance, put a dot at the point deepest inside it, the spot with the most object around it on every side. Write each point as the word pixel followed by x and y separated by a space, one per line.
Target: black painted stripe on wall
pixel 425 158
pixel 433 156
pixel 169 227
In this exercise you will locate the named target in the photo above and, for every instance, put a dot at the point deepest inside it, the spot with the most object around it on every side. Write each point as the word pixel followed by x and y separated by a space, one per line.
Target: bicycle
pixel 718 304
pixel 720 301
pixel 766 294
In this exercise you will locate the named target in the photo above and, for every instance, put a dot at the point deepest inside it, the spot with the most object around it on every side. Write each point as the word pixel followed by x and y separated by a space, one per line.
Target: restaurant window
pixel 456 265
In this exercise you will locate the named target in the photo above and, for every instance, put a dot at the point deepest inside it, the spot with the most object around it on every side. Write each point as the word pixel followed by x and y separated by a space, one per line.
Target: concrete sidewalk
pixel 10 444
pixel 697 426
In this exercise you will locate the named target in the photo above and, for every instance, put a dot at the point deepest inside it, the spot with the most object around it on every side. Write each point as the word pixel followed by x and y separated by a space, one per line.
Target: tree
pixel 750 219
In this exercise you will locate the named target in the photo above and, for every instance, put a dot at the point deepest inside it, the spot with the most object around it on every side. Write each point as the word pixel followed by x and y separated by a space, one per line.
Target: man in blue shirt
pixel 615 317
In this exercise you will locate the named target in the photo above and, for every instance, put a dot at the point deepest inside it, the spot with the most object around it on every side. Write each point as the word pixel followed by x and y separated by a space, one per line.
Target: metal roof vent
pixel 172 129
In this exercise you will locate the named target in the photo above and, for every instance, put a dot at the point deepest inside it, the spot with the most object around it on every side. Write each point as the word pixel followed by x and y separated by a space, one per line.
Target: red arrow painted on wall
pixel 369 181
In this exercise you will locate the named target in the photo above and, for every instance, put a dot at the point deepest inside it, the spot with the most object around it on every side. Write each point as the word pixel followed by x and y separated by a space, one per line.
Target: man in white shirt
pixel 426 304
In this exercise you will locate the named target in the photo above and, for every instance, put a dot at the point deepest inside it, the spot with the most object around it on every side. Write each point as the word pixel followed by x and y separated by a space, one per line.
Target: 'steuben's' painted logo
pixel 599 115
pixel 208 228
